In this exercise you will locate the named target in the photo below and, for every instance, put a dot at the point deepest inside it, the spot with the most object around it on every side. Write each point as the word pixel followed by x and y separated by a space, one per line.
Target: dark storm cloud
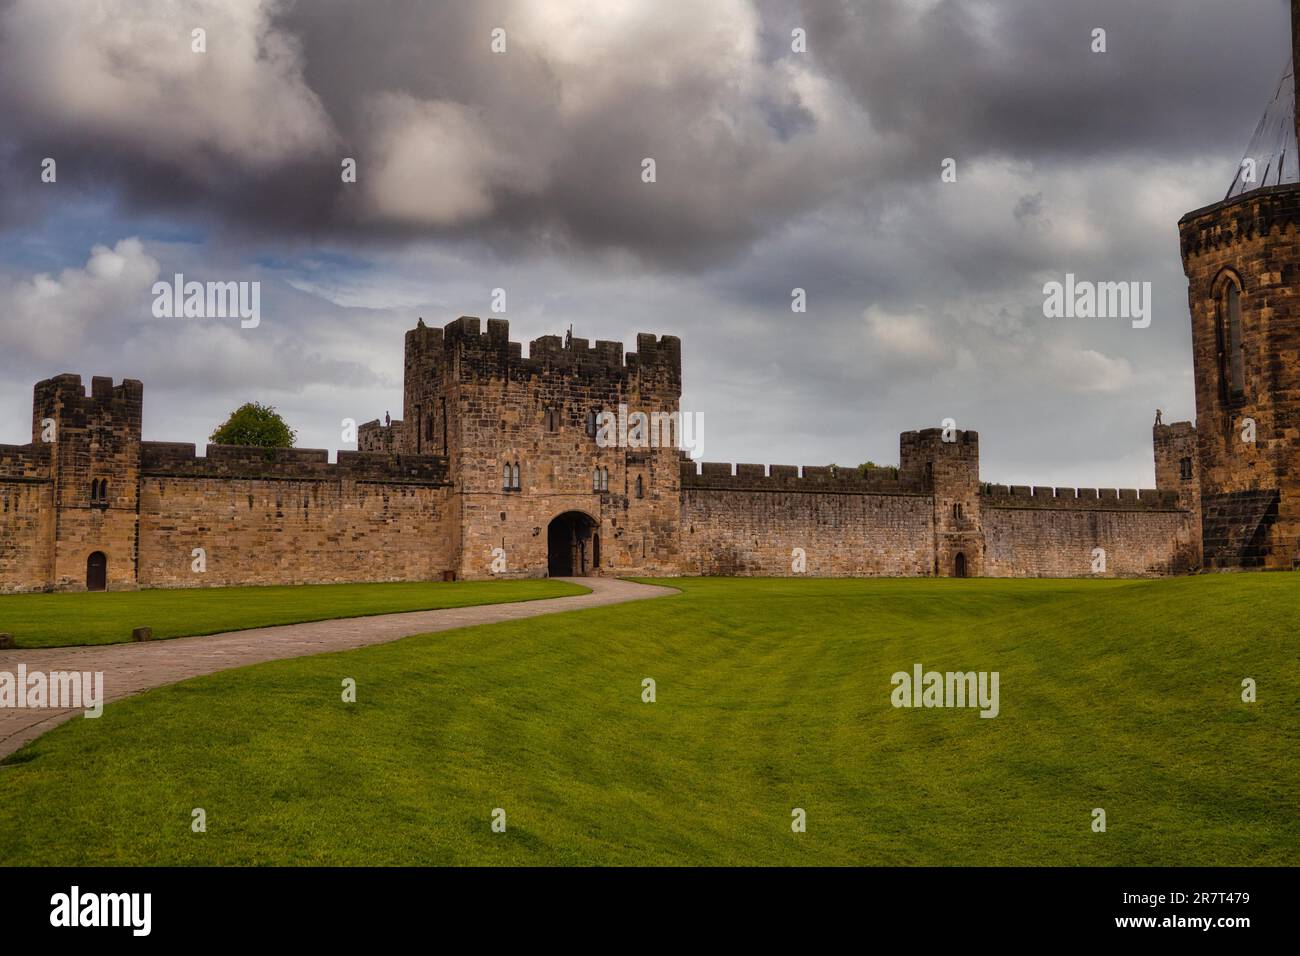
pixel 542 144
pixel 1020 78
pixel 541 147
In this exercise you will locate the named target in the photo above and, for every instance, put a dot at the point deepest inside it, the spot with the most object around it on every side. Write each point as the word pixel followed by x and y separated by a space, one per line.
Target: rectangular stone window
pixel 510 477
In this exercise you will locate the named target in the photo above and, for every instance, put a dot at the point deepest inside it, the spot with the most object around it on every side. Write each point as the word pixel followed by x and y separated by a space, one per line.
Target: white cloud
pixel 435 163
pixel 47 317
pixel 124 70
pixel 906 339
pixel 1086 371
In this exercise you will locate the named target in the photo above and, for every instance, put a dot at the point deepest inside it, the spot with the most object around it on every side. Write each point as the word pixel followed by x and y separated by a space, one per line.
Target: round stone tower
pixel 1242 260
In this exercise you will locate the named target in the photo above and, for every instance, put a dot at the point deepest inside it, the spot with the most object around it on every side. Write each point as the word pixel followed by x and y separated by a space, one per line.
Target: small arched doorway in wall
pixel 959 565
pixel 97 571
pixel 572 545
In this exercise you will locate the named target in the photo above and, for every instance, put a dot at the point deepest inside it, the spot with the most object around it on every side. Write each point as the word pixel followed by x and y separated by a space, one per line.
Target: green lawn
pixel 60 620
pixel 772 694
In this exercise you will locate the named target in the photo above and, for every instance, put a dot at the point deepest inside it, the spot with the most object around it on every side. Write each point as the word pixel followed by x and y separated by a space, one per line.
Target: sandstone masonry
pixel 495 471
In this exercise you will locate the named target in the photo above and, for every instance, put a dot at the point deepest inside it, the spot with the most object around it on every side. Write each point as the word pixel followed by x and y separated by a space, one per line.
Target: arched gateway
pixel 572 545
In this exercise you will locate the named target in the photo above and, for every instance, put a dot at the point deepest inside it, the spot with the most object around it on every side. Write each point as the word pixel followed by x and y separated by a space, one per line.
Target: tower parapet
pixel 476 355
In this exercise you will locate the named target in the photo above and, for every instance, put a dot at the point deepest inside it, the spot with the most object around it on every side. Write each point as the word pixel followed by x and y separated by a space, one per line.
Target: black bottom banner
pixel 333 905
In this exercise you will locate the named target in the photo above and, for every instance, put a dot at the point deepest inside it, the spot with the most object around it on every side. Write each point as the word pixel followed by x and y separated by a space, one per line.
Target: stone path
pixel 133 668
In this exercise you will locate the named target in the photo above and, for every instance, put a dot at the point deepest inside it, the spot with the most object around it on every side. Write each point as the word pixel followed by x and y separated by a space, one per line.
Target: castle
pixel 497 468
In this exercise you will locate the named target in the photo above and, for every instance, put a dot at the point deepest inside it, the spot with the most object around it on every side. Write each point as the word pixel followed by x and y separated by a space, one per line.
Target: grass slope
pixel 61 620
pixel 772 694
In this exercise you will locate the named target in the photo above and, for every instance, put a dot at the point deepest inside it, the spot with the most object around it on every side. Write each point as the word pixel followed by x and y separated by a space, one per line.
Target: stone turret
pixel 1242 260
pixel 947 462
pixel 95 469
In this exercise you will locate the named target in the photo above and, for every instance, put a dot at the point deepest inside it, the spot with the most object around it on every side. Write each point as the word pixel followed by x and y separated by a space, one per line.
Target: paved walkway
pixel 134 668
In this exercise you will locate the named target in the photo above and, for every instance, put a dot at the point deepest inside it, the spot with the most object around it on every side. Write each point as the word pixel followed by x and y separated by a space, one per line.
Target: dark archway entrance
pixel 97 572
pixel 572 545
pixel 959 566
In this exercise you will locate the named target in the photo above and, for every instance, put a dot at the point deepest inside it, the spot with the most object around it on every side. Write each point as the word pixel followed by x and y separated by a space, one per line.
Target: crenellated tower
pixel 947 462
pixel 1177 470
pixel 1242 260
pixel 94 442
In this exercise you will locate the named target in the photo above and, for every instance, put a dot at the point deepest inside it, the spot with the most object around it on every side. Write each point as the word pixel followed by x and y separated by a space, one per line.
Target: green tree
pixel 255 424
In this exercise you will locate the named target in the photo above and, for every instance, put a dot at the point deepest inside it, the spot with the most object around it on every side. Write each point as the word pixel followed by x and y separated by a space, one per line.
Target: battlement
pixel 932 435
pixel 1173 430
pixel 720 476
pixel 64 398
pixel 102 390
pixel 179 459
pixel 374 436
pixel 1089 499
pixel 476 354
pixel 1239 219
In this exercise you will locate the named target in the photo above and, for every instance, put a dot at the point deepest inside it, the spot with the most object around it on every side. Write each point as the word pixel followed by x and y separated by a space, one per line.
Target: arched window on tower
pixel 515 479
pixel 595 479
pixel 505 477
pixel 1231 347
pixel 1236 351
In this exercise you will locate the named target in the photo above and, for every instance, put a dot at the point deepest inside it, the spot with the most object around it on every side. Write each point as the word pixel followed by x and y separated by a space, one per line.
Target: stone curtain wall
pixel 282 531
pixel 287 516
pixel 26 516
pixel 1046 532
pixel 750 523
pixel 843 535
